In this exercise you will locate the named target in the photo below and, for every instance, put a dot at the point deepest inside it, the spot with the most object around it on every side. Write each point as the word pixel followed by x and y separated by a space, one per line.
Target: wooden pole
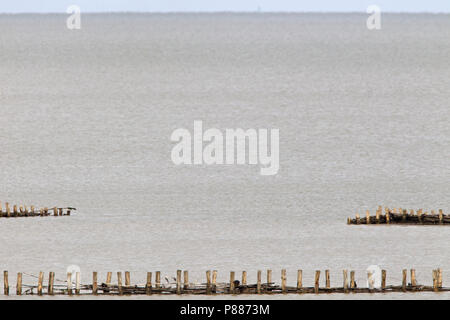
pixel 434 280
pixel 19 284
pixel 413 277
pixel 232 282
pixel 383 279
pixel 158 280
pixel 8 209
pixel 40 280
pixel 386 213
pixel 327 279
pixel 94 283
pixel 148 286
pixel 5 283
pixel 345 284
pixel 269 277
pixel 419 215
pixel 352 280
pixel 208 282
pixel 127 278
pixel 69 283
pixel 51 279
pixel 316 281
pixel 358 220
pixel 119 283
pixel 178 281
pixel 404 274
pixel 367 216
pixel 244 278
pixel 439 276
pixel 370 280
pixel 258 282
pixel 441 217
pixel 214 280
pixel 55 211
pixel 299 280
pixel 108 281
pixel 186 279
pixel 77 283
pixel 283 281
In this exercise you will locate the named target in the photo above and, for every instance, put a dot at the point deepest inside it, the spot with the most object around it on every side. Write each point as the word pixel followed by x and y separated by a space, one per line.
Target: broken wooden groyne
pixel 179 286
pixel 402 216
pixel 24 211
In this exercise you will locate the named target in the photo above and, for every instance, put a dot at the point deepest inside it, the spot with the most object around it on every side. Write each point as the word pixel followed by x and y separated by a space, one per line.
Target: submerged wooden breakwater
pixel 181 284
pixel 23 211
pixel 402 216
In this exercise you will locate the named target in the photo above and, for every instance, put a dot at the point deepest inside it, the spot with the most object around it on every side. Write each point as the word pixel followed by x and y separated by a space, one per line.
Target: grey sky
pixel 16 6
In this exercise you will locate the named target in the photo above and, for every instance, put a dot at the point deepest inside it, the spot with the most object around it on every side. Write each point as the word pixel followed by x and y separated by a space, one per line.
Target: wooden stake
pixel 186 279
pixel 178 281
pixel 108 281
pixel 383 279
pixel 127 278
pixel 119 283
pixel 77 283
pixel 404 274
pixel 419 215
pixel 214 280
pixel 327 279
pixel 370 280
pixel 413 277
pixel 352 280
pixel 69 283
pixel 55 211
pixel 208 282
pixel 299 280
pixel 258 282
pixel 367 216
pixel 94 283
pixel 244 278
pixel 434 280
pixel 316 281
pixel 40 280
pixel 5 283
pixel 19 284
pixel 8 209
pixel 441 217
pixel 158 279
pixel 232 282
pixel 148 286
pixel 358 221
pixel 388 219
pixel 345 284
pixel 269 277
pixel 283 281
pixel 439 278
pixel 51 279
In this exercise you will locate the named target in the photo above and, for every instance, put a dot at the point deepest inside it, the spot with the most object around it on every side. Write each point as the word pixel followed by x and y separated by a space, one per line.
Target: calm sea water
pixel 86 116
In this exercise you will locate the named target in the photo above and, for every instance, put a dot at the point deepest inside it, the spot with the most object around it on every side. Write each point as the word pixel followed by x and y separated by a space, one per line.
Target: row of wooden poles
pixel 24 211
pixel 213 287
pixel 394 216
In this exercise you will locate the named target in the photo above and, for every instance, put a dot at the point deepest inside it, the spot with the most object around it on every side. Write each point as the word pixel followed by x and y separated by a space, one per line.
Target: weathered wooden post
pixel 69 283
pixel 55 211
pixel 358 220
pixel 383 279
pixel 299 280
pixel 258 282
pixel 108 281
pixel 40 280
pixel 441 217
pixel 232 282
pixel 419 215
pixel 148 286
pixel 327 279
pixel 51 279
pixel 345 284
pixel 77 283
pixel 413 277
pixel 370 280
pixel 5 283
pixel 269 277
pixel 214 280
pixel 185 279
pixel 352 280
pixel 127 278
pixel 119 283
pixel 386 213
pixel 19 284
pixel 158 280
pixel 94 283
pixel 208 282
pixel 434 273
pixel 244 278
pixel 404 274
pixel 283 281
pixel 439 276
pixel 316 281
pixel 8 209
pixel 178 281
pixel 367 217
